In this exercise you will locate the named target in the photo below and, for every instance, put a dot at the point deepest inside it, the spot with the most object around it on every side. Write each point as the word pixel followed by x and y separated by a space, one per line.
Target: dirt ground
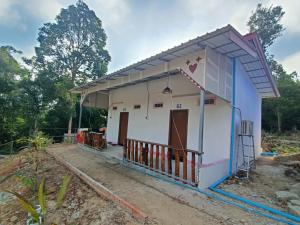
pixel 165 203
pixel 270 176
pixel 81 206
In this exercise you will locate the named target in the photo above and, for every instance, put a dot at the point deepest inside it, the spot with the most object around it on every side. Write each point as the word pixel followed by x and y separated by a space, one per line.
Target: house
pixel 179 112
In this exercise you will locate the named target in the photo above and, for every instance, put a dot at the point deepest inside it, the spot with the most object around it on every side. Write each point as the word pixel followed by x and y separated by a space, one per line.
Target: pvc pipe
pixel 149 173
pixel 257 205
pixel 201 128
pixel 218 198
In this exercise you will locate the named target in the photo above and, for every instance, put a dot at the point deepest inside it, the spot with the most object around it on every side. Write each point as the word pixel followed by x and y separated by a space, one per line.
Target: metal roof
pixel 226 40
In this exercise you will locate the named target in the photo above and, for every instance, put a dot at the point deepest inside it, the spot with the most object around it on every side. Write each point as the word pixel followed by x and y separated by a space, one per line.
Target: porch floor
pixel 165 203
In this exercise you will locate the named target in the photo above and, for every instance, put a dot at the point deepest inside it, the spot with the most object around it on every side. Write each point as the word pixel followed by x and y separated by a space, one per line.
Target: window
pixel 137 106
pixel 158 105
pixel 210 101
pixel 115 108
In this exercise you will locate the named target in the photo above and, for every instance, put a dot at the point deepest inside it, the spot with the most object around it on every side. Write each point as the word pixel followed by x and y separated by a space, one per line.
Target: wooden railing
pixel 180 164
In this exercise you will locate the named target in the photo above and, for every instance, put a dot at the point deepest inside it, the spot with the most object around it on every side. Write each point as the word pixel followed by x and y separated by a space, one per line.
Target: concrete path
pixel 164 202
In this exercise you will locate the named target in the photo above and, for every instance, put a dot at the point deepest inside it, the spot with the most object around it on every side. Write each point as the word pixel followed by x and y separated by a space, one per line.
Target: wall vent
pixel 210 101
pixel 137 106
pixel 158 105
pixel 114 108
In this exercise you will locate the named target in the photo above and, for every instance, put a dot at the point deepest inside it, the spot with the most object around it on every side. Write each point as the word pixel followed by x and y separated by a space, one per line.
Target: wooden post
pixel 169 160
pixel 177 162
pixel 132 150
pixel 125 149
pixel 193 167
pixel 185 165
pixel 141 153
pixel 128 149
pixel 151 155
pixel 136 149
pixel 157 157
pixel 146 154
pixel 163 158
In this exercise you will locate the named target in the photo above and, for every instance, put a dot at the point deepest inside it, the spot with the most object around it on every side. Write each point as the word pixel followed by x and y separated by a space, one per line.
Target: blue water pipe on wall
pixel 214 186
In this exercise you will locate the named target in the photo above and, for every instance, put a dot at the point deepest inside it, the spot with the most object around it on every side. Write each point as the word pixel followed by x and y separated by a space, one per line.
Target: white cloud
pixel 291 63
pixel 43 9
pixel 7 13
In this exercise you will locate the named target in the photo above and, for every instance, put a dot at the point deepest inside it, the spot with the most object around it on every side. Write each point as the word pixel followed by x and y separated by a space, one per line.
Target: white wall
pixel 156 127
pixel 216 145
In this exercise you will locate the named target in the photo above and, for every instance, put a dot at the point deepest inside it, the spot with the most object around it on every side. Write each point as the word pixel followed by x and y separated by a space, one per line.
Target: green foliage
pixel 62 191
pixel 27 181
pixel 42 197
pixel 74 44
pixel 26 205
pixel 29 207
pixel 71 51
pixel 278 114
pixel 39 140
pixel 266 22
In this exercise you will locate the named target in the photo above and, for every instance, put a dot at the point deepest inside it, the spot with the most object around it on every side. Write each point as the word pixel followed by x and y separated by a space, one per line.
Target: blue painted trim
pixel 258 205
pixel 211 195
pixel 232 141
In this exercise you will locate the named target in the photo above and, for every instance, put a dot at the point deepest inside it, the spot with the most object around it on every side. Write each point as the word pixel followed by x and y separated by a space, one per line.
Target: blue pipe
pixel 232 141
pixel 232 148
pixel 257 205
pixel 216 197
pixel 212 187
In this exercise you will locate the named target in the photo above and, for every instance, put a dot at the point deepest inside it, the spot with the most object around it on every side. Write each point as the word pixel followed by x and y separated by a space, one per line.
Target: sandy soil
pixel 268 178
pixel 81 206
pixel 165 203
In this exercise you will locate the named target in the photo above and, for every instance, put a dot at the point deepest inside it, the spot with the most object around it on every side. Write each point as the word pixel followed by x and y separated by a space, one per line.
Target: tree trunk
pixel 70 125
pixel 278 120
pixel 35 125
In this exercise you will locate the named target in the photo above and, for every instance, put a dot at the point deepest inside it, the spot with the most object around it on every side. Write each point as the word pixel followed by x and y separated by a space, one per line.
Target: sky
pixel 137 29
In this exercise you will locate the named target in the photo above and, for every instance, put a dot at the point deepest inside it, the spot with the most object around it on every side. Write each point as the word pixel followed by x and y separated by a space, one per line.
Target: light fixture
pixel 167 90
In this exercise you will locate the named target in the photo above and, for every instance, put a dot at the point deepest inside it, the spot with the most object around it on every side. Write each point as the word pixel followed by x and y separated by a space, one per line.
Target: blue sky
pixel 137 29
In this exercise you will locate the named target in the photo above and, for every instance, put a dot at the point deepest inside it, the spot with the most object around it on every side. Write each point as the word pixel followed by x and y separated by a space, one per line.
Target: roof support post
pixel 201 129
pixel 232 140
pixel 82 97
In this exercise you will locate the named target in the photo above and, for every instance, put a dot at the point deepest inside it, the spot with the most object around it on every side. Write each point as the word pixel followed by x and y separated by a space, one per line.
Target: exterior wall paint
pixel 249 101
pixel 217 124
pixel 155 127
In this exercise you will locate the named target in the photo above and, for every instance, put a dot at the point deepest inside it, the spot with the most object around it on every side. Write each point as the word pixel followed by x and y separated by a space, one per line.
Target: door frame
pixel 119 142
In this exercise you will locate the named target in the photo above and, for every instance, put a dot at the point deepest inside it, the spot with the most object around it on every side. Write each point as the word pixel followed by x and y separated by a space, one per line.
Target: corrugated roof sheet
pixel 225 40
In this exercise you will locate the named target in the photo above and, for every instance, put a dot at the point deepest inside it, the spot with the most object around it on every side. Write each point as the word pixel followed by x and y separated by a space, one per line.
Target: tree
pixel 74 46
pixel 10 73
pixel 266 23
pixel 276 113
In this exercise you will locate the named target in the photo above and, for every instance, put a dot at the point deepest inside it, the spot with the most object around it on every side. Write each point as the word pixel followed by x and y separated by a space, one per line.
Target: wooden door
pixel 123 127
pixel 178 129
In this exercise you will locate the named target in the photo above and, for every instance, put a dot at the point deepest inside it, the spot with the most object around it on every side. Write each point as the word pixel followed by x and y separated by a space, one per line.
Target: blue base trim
pixel 257 205
pixel 211 195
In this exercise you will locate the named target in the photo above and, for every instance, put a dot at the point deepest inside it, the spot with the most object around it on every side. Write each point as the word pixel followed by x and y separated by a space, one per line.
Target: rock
pixel 286 195
pixel 51 204
pixel 13 219
pixel 4 197
pixel 294 209
pixel 295 188
pixel 290 172
pixel 75 215
pixel 295 202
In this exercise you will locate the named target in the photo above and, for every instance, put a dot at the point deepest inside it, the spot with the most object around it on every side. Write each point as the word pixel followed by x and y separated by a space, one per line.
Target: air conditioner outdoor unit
pixel 246 127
